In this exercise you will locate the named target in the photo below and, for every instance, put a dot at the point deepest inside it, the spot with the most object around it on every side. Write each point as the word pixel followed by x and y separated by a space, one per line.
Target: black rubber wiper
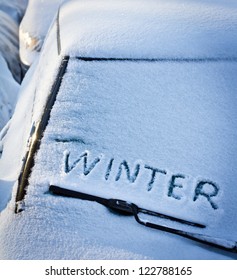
pixel 118 205
pixel 131 209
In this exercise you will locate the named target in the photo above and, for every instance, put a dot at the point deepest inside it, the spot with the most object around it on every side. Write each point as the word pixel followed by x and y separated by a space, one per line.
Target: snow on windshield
pixel 133 131
pixel 160 134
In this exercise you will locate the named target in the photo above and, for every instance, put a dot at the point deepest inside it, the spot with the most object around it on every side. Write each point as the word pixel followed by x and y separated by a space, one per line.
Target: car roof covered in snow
pixel 148 29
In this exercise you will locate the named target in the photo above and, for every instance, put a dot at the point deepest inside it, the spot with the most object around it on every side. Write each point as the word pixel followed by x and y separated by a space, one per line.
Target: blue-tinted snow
pixel 11 13
pixel 14 8
pixel 153 28
pixel 141 113
pixel 8 93
pixel 10 69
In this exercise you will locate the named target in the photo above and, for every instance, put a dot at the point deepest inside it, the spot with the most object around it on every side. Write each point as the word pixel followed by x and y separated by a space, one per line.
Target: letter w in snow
pixel 87 168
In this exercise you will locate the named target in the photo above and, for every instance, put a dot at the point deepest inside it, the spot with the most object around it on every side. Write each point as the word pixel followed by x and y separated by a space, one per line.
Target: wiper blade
pixel 132 209
pixel 118 205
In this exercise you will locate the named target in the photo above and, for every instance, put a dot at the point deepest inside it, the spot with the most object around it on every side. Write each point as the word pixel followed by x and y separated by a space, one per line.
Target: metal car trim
pixel 161 59
pixel 29 161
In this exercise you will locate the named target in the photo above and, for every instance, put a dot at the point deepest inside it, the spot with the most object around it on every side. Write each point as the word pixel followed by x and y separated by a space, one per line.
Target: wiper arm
pixel 132 209
pixel 118 205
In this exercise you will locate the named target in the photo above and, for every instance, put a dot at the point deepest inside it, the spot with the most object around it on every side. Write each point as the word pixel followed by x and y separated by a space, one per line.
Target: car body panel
pixel 180 29
pixel 34 27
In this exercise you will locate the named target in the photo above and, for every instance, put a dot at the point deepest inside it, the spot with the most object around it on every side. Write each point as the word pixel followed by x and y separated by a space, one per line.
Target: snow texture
pixel 161 134
pixel 8 93
pixel 180 29
pixel 9 44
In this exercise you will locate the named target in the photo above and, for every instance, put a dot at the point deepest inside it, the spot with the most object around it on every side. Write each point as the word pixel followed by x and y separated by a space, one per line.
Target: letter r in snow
pixel 201 191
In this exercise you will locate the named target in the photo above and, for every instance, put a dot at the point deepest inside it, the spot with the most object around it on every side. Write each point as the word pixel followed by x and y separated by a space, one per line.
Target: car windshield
pixel 130 130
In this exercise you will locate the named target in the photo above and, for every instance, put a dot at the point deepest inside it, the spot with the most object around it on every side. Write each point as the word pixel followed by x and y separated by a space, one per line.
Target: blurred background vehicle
pixel 34 27
pixel 11 13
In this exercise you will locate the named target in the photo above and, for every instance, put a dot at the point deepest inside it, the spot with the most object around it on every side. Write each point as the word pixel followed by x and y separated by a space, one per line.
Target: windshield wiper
pixel 132 209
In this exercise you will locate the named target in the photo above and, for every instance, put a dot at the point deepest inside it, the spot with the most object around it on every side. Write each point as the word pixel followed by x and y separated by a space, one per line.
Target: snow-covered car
pixel 10 66
pixel 34 27
pixel 14 8
pixel 126 125
pixel 9 47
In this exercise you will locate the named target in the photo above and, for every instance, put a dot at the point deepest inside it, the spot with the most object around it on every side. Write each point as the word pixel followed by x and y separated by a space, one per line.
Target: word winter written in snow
pixel 203 188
